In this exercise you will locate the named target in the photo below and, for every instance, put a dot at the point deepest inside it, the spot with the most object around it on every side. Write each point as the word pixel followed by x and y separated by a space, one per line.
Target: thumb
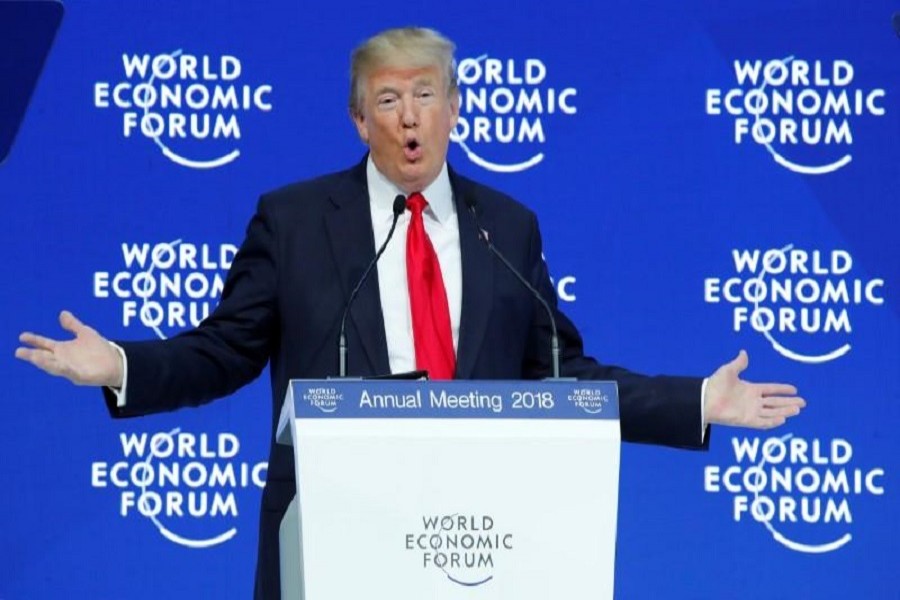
pixel 739 363
pixel 70 323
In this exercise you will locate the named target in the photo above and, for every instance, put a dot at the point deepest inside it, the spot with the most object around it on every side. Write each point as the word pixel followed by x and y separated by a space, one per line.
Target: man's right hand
pixel 88 359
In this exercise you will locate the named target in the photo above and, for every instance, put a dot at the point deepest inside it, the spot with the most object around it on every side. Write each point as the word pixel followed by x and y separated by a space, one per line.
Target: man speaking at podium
pixel 438 300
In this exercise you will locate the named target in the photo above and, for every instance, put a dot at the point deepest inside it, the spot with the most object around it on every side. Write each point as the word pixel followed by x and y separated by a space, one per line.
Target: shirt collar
pixel 382 192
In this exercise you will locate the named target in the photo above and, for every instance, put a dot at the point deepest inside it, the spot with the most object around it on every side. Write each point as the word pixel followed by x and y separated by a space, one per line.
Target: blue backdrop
pixel 709 176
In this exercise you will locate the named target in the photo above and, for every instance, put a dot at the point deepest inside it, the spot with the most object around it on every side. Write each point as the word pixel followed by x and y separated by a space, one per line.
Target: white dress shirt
pixel 442 227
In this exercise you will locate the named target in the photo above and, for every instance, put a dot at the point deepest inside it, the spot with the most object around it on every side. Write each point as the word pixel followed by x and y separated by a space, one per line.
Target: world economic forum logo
pixel 186 484
pixel 326 399
pixel 589 399
pixel 506 107
pixel 801 111
pixel 191 106
pixel 800 490
pixel 462 547
pixel 802 301
pixel 166 286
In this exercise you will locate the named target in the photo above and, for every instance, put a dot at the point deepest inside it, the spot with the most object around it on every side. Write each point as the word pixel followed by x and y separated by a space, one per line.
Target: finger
pixel 780 401
pixel 775 389
pixel 37 341
pixel 42 359
pixel 773 412
pixel 70 322
pixel 766 422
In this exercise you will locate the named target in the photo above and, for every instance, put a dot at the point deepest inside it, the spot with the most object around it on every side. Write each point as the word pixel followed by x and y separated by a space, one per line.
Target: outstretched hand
pixel 732 401
pixel 88 359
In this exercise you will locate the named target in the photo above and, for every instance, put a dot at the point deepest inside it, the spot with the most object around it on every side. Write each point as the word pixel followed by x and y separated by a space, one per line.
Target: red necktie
pixel 427 298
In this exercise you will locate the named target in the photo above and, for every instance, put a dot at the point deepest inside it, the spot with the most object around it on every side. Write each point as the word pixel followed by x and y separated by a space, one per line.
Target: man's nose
pixel 409 114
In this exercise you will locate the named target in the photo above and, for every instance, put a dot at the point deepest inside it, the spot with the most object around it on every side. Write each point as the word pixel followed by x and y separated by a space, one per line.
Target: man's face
pixel 406 118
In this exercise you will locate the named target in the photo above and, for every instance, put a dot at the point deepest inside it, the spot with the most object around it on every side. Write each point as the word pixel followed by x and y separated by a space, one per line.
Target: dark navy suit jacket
pixel 305 249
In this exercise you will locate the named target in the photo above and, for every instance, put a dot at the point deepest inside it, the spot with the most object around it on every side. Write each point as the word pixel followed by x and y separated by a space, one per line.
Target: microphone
pixel 554 338
pixel 896 21
pixel 399 207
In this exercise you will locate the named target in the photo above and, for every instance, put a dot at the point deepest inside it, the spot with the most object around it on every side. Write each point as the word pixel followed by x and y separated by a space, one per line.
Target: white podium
pixel 451 490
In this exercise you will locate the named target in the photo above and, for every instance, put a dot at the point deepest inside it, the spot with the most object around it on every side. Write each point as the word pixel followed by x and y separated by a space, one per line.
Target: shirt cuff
pixel 119 393
pixel 702 408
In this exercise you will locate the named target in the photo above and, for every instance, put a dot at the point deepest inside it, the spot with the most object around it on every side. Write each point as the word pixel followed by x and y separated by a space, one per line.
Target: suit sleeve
pixel 226 351
pixel 653 409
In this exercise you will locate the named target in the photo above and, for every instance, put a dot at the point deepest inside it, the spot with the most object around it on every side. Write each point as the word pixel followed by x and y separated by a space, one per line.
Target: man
pixel 439 300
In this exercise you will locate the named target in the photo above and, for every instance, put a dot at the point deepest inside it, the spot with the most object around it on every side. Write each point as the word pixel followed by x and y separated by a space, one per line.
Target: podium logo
pixel 800 111
pixel 590 400
pixel 184 483
pixel 505 107
pixel 800 490
pixel 462 547
pixel 167 286
pixel 801 301
pixel 190 106
pixel 324 398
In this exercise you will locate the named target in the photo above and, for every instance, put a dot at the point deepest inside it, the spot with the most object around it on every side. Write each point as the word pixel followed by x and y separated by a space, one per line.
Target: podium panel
pixel 451 490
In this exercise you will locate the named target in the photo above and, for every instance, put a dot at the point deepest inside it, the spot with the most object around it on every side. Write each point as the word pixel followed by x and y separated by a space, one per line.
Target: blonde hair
pixel 407 47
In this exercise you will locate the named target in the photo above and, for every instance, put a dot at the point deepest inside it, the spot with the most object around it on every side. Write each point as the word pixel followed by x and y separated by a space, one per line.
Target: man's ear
pixel 454 106
pixel 362 128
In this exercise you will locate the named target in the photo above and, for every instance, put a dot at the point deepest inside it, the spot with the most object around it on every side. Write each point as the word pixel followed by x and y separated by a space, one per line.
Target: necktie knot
pixel 416 203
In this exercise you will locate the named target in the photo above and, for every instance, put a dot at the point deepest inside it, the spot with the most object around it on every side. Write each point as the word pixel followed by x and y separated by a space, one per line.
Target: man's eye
pixel 386 102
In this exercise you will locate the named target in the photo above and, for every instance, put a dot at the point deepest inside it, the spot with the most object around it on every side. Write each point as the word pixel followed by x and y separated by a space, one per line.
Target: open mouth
pixel 412 149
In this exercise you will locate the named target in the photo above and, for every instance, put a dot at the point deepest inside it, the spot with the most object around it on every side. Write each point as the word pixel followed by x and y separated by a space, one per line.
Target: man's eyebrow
pixel 424 81
pixel 386 89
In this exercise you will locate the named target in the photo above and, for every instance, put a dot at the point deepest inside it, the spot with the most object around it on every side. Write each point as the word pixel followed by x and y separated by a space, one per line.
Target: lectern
pixel 451 490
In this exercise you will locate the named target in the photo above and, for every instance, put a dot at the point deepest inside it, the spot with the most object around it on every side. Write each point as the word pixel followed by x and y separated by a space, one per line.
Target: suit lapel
pixel 352 244
pixel 353 247
pixel 477 280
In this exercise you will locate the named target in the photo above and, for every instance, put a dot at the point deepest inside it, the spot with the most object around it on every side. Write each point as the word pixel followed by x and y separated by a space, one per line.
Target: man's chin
pixel 415 177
